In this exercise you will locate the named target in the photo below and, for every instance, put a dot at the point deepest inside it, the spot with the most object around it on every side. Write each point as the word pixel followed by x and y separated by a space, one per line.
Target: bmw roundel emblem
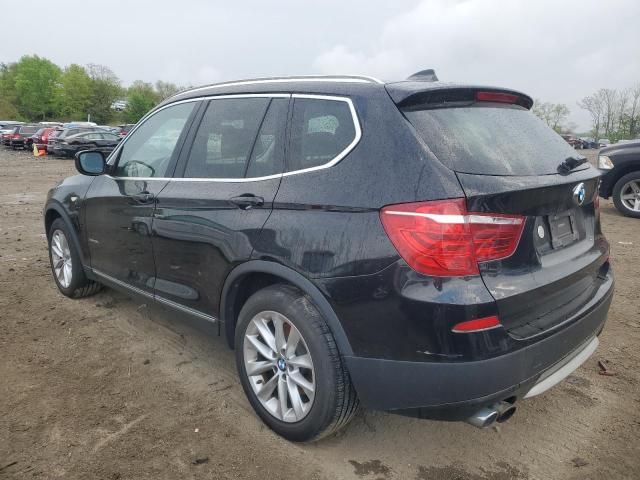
pixel 579 194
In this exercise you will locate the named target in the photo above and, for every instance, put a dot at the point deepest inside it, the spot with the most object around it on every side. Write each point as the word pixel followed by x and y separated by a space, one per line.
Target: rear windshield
pixel 28 129
pixel 491 140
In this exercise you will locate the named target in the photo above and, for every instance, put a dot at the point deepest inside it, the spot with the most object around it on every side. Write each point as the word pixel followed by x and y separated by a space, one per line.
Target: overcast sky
pixel 557 51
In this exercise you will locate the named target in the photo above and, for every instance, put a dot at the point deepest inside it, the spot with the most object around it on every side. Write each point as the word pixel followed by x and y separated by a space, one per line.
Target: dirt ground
pixel 109 388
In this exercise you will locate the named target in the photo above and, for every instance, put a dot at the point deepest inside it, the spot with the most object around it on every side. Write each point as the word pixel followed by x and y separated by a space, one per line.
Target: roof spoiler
pixel 416 94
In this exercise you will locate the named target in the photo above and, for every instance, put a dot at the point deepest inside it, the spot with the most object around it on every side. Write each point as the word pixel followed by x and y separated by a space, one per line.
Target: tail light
pixel 16 136
pixel 440 238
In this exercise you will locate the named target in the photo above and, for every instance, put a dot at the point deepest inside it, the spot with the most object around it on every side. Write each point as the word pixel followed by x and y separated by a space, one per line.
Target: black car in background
pixel 21 136
pixel 59 135
pixel 427 248
pixel 99 139
pixel 621 162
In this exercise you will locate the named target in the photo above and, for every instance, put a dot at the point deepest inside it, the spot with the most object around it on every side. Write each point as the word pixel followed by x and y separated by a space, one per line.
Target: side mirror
pixel 91 162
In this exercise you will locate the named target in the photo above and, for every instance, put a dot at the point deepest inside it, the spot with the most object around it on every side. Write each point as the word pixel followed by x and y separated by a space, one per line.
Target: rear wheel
pixel 626 195
pixel 290 367
pixel 65 263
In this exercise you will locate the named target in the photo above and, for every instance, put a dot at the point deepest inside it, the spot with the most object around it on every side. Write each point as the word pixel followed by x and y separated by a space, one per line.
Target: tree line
pixel 615 114
pixel 36 89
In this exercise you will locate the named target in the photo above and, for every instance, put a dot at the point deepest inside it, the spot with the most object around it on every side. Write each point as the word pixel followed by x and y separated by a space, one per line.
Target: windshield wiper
pixel 571 163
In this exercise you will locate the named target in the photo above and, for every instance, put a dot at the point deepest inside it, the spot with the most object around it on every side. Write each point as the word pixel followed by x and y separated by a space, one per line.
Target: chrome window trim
pixel 329 164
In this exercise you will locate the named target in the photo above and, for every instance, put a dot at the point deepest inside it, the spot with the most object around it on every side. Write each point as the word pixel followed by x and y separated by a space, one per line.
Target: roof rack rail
pixel 428 75
pixel 297 78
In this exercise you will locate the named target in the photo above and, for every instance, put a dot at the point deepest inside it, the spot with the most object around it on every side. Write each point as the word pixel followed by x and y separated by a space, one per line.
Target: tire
pixel 331 403
pixel 70 279
pixel 625 187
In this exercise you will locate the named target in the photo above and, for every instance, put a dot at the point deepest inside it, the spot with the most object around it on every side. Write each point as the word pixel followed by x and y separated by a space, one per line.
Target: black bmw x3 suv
pixel 420 247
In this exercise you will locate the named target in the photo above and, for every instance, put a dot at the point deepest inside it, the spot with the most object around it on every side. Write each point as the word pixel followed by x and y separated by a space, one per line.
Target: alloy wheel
pixel 278 364
pixel 630 195
pixel 61 258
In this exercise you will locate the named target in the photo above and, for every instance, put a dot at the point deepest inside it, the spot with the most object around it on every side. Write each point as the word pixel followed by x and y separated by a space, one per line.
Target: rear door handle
pixel 247 201
pixel 144 197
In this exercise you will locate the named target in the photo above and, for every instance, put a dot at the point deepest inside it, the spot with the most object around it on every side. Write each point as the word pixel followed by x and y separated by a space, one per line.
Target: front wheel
pixel 66 265
pixel 626 195
pixel 290 367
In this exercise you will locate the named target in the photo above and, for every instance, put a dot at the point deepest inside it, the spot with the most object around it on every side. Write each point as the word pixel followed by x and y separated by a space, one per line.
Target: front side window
pixel 320 130
pixel 225 138
pixel 149 150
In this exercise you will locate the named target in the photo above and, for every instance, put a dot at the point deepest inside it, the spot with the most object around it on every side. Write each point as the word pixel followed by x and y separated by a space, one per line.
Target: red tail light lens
pixel 15 136
pixel 496 97
pixel 441 238
pixel 476 325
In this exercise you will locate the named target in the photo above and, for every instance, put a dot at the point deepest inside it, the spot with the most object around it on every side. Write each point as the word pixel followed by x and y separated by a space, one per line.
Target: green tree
pixel 106 89
pixel 74 93
pixel 553 114
pixel 8 111
pixel 141 98
pixel 36 80
pixel 8 94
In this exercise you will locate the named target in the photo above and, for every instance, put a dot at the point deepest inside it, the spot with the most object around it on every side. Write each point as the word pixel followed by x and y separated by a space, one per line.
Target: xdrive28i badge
pixel 579 194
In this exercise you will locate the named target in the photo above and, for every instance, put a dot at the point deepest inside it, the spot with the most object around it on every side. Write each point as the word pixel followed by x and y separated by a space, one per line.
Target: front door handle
pixel 247 201
pixel 144 197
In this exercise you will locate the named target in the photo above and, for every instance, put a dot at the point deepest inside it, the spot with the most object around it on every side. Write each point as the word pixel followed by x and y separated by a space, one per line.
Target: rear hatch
pixel 510 162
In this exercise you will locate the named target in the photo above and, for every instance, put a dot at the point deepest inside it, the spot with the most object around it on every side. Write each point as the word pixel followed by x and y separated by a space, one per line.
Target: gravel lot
pixel 109 388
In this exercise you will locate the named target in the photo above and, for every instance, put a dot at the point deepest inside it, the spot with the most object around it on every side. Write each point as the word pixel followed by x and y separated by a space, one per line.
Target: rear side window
pixel 490 140
pixel 320 131
pixel 225 138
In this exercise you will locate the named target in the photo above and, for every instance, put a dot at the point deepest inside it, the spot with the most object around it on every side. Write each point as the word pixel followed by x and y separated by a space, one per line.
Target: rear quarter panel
pixel 326 223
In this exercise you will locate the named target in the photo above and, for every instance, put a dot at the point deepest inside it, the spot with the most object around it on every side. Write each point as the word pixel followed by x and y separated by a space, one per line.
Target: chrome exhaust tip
pixel 483 418
pixel 498 412
pixel 506 413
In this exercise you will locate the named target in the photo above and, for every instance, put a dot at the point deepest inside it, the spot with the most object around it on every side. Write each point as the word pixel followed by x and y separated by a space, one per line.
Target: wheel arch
pixel 249 277
pixel 625 169
pixel 54 211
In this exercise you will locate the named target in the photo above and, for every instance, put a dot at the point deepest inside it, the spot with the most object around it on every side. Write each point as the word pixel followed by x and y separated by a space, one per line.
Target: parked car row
pixel 62 139
pixel 18 135
pixel 583 142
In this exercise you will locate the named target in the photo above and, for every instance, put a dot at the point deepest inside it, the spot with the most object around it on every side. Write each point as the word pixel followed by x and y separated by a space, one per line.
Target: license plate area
pixel 563 229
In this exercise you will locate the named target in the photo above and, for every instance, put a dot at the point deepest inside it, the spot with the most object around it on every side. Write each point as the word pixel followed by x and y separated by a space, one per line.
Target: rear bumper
pixel 456 390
